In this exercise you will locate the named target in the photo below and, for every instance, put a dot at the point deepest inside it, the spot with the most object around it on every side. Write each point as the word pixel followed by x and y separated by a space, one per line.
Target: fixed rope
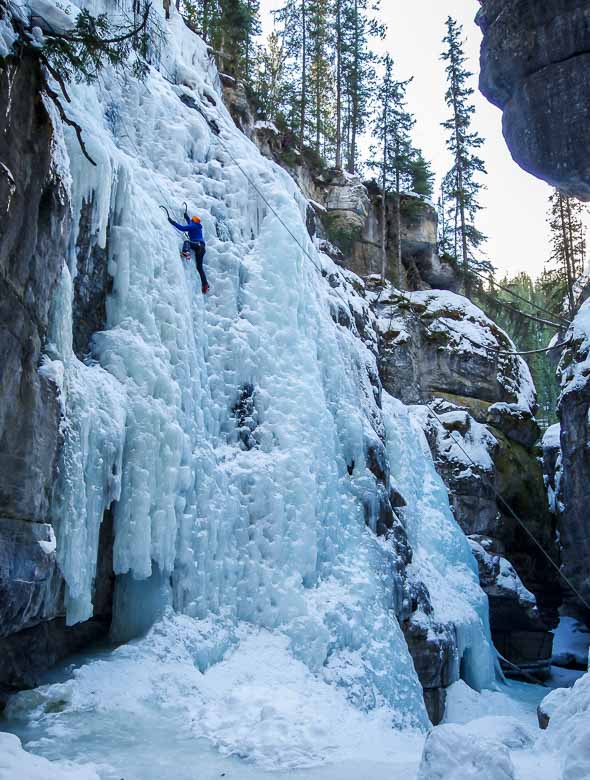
pixel 507 290
pixel 506 505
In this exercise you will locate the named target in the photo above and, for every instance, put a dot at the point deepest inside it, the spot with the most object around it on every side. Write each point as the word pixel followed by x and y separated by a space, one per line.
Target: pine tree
pixel 447 233
pixel 392 126
pixel 292 22
pixel 358 69
pixel 421 175
pixel 273 81
pixel 463 143
pixel 229 27
pixel 526 332
pixel 568 245
pixel 321 77
pixel 339 52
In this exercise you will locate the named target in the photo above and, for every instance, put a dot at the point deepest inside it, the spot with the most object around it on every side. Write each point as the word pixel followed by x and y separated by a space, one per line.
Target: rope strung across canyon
pixel 498 496
pixel 507 290
pixel 507 506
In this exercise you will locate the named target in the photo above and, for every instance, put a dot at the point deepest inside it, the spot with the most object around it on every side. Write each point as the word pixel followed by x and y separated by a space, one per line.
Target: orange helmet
pixel 196 219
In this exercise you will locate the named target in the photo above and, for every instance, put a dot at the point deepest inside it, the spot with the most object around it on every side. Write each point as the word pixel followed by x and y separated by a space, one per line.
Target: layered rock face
pixel 440 350
pixel 535 58
pixel 345 213
pixel 573 485
pixel 35 225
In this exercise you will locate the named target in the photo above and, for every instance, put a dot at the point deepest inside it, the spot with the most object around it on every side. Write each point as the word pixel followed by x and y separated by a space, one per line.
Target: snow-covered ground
pixel 145 712
pixel 571 643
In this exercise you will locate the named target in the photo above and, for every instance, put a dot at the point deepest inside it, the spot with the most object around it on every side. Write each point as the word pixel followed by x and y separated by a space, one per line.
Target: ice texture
pixel 17 763
pixel 453 752
pixel 220 431
pixel 442 560
pixel 231 436
pixel 568 733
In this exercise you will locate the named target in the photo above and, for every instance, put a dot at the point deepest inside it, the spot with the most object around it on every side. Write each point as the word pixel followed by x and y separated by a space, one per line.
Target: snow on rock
pixel 453 751
pixel 459 439
pixel 7 38
pixel 571 643
pixel 572 484
pixel 551 437
pixel 501 579
pixel 17 763
pixel 261 125
pixel 442 557
pixel 574 367
pixel 50 16
pixel 451 347
pixel 568 732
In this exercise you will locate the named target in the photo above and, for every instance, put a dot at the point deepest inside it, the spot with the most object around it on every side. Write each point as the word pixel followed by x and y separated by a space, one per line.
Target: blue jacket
pixel 194 230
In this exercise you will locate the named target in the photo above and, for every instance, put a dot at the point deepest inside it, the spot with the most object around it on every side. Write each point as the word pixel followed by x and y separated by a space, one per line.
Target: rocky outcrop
pixel 534 63
pixel 573 486
pixel 345 213
pixel 35 224
pixel 440 353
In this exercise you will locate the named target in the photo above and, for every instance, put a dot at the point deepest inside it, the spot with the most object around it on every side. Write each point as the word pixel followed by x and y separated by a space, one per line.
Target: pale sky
pixel 515 203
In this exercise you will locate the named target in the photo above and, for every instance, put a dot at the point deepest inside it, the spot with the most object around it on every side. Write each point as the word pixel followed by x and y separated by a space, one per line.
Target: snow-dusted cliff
pixel 271 518
pixel 238 442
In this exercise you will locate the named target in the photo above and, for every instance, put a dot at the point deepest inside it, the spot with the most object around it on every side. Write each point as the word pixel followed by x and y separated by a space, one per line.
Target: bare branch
pixel 56 75
pixel 66 120
pixel 106 41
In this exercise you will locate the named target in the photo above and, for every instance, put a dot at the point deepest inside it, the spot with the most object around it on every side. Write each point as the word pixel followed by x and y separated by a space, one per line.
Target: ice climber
pixel 196 242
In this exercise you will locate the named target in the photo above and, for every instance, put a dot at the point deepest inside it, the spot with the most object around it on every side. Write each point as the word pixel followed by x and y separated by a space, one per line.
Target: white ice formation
pixel 231 435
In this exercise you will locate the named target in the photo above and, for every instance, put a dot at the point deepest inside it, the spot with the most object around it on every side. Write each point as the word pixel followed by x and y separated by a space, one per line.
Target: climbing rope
pixel 507 290
pixel 504 503
pixel 560 345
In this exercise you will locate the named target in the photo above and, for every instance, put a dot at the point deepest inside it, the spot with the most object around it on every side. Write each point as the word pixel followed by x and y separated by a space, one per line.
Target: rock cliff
pixel 345 213
pixel 35 225
pixel 535 58
pixel 438 349
pixel 573 483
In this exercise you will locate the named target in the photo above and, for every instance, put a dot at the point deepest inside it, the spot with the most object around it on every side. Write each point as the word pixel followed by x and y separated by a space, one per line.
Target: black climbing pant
pixel 199 249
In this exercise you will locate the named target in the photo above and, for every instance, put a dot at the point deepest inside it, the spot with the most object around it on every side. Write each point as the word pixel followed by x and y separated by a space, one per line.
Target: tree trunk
pixel 206 21
pixel 303 72
pixel 567 258
pixel 398 232
pixel 338 86
pixel 384 193
pixel 460 193
pixel 355 96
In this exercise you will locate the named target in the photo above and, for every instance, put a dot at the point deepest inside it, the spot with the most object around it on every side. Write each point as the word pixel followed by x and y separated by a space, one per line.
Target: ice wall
pixel 442 556
pixel 229 434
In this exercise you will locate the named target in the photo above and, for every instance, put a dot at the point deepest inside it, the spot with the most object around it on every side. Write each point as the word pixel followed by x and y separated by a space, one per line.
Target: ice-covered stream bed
pixel 144 712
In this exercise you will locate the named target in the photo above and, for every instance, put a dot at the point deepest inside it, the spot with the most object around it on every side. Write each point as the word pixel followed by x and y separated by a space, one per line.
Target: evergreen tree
pixel 229 27
pixel 292 21
pixel 392 126
pixel 568 251
pixel 321 74
pixel 463 142
pixel 447 227
pixel 358 68
pixel 421 175
pixel 526 332
pixel 273 81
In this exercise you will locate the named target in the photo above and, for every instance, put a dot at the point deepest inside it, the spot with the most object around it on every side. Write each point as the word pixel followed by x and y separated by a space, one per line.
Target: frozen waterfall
pixel 230 435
